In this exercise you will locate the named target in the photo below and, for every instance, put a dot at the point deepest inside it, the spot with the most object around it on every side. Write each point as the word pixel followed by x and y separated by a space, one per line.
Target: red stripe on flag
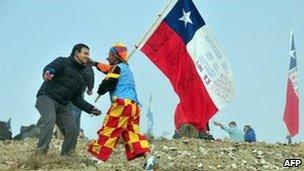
pixel 168 52
pixel 291 114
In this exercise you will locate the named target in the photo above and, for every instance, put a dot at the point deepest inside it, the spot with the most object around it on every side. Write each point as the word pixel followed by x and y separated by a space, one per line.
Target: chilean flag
pixel 291 114
pixel 182 47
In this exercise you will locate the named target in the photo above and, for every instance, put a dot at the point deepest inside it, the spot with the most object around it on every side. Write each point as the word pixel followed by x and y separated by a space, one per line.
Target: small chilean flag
pixel 291 114
pixel 182 47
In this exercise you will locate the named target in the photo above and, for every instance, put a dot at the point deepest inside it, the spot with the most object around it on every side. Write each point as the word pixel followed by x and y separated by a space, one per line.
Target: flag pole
pixel 140 42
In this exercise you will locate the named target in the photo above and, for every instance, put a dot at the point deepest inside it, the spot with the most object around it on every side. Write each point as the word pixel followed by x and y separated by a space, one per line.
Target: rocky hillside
pixel 183 154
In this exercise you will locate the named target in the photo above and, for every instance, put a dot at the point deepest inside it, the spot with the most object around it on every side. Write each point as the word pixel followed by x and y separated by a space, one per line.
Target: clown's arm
pixel 104 68
pixel 110 81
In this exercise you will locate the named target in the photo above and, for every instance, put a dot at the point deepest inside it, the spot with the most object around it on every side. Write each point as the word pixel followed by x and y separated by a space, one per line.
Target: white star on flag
pixel 186 18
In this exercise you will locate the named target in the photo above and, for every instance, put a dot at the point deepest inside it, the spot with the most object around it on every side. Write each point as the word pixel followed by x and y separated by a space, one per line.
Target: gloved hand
pixel 96 111
pixel 90 62
pixel 103 67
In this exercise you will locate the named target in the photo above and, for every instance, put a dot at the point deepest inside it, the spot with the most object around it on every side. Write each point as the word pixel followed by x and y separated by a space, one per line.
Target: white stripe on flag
pixel 212 66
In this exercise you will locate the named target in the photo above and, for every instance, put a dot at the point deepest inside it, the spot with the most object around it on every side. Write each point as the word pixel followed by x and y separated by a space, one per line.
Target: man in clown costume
pixel 122 119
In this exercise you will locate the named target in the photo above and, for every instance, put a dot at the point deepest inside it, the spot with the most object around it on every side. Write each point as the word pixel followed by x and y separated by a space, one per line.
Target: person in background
pixel 249 134
pixel 236 135
pixel 205 134
pixel 82 135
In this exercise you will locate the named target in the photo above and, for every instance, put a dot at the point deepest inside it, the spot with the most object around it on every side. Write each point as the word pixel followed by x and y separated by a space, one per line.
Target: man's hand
pixel 216 123
pixel 96 111
pixel 48 76
pixel 89 92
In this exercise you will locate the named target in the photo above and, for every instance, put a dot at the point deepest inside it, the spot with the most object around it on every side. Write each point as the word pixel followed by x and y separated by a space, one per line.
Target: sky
pixel 253 34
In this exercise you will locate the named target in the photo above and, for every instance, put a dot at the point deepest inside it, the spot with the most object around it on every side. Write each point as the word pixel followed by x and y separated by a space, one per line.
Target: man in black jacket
pixel 64 82
pixel 88 75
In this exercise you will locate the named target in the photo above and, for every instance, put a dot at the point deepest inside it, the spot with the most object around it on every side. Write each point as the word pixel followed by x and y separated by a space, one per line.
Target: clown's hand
pixel 90 62
pixel 104 68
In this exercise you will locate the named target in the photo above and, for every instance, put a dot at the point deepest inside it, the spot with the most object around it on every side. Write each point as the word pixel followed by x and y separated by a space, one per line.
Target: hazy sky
pixel 253 34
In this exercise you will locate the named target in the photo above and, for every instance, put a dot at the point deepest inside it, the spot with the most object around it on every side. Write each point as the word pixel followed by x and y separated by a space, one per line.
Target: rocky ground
pixel 183 154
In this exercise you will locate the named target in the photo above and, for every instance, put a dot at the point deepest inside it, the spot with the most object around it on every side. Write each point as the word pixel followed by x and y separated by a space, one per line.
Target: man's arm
pixel 53 68
pixel 218 124
pixel 78 101
pixel 110 82
pixel 88 74
pixel 226 128
pixel 221 126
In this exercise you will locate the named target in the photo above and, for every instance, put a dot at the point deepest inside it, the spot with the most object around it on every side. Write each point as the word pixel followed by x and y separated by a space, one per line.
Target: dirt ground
pixel 183 154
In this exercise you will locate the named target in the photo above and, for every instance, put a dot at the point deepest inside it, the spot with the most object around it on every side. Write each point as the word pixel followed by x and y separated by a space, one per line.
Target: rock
pixel 173 149
pixel 211 167
pixel 262 161
pixel 220 167
pixel 252 168
pixel 244 161
pixel 233 165
pixel 185 153
pixel 165 148
pixel 266 167
pixel 181 154
pixel 82 165
pixel 200 165
pixel 259 156
pixel 188 131
pixel 259 152
pixel 203 151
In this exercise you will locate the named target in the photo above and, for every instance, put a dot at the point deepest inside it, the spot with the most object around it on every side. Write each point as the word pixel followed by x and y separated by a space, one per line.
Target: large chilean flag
pixel 182 47
pixel 291 113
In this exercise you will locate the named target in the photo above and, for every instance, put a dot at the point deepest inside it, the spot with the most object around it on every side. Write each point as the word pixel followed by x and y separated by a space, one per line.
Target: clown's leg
pixel 109 134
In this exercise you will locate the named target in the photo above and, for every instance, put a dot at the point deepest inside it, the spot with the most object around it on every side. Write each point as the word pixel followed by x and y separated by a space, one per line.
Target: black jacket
pixel 67 84
pixel 88 75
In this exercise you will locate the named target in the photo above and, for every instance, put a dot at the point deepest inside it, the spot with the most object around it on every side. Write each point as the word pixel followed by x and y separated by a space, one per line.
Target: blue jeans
pixel 76 112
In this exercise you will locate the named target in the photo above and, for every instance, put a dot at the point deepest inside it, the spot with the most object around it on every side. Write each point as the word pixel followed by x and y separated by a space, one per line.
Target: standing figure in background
pixel 236 135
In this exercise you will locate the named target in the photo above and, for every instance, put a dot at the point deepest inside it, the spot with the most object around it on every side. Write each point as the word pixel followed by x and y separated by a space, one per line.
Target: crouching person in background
pixel 249 134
